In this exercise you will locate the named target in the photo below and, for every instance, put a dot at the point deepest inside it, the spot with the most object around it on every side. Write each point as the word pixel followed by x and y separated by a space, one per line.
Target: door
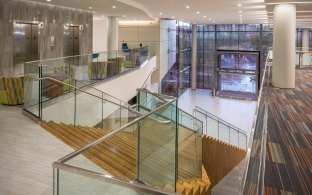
pixel 71 44
pixel 25 45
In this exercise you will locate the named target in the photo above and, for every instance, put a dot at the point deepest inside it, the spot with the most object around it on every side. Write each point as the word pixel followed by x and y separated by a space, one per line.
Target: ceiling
pixel 199 11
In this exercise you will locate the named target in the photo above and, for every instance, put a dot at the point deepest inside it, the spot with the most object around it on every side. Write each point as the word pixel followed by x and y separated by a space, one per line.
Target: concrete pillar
pixel 284 48
pixel 181 61
pixel 194 55
pixel 112 34
pixel 305 47
pixel 305 39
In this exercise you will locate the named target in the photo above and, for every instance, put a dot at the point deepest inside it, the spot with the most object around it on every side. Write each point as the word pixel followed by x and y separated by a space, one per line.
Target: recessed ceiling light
pixel 103 16
pixel 213 21
pixel 239 5
pixel 187 7
pixel 240 11
pixel 210 19
pixel 197 12
pixel 205 16
pixel 48 0
pixel 172 17
pixel 90 7
pixel 124 16
pixel 114 6
pixel 160 13
pixel 240 15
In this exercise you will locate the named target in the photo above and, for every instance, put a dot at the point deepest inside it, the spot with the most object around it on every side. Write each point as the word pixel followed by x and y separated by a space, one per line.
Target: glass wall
pixel 178 77
pixel 212 37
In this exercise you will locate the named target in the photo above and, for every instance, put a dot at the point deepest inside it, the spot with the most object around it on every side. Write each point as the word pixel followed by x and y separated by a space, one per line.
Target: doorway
pixel 25 45
pixel 71 44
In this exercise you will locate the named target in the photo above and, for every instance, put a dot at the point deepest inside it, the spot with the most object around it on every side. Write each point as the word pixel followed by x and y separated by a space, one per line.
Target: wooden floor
pixel 118 155
pixel 289 146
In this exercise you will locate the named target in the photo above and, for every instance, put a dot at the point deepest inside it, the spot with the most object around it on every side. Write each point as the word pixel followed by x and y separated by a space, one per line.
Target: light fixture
pixel 197 12
pixel 210 19
pixel 240 11
pixel 172 17
pixel 103 16
pixel 213 21
pixel 160 13
pixel 205 16
pixel 124 16
pixel 114 6
pixel 187 7
pixel 239 5
pixel 90 7
pixel 48 0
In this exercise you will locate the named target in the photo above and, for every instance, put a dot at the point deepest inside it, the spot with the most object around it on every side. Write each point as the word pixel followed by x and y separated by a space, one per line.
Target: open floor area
pixel 289 142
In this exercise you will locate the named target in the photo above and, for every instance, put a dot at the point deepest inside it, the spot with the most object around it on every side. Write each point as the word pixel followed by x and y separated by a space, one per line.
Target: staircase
pixel 117 156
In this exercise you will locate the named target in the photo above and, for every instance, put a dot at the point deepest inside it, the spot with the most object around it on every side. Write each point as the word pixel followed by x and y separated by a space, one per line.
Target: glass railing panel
pixel 116 156
pixel 72 183
pixel 224 132
pixel 32 88
pixel 55 106
pixel 234 137
pixel 158 151
pixel 252 183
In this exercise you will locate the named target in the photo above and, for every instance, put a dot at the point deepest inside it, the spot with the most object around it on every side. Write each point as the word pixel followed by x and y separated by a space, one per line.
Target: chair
pixel 125 47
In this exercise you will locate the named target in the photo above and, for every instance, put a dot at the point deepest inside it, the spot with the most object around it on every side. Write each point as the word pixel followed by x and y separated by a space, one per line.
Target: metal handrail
pixel 149 75
pixel 248 155
pixel 198 109
pixel 126 107
pixel 109 179
pixel 84 148
pixel 86 84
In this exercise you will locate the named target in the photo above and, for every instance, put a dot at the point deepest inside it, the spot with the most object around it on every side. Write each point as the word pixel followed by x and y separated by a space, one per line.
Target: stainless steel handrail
pixel 81 150
pixel 219 120
pixel 78 89
pixel 109 179
pixel 251 136
pixel 128 107
pixel 149 75
pixel 87 84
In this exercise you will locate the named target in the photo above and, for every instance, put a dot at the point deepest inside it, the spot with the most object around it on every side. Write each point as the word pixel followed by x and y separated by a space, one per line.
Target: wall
pixel 53 18
pixel 124 87
pixel 167 43
pixel 136 32
pixel 100 35
pixel 156 33
pixel 219 158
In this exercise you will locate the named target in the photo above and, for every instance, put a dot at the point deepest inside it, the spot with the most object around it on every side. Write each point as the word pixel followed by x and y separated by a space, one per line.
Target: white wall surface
pixel 124 87
pixel 100 35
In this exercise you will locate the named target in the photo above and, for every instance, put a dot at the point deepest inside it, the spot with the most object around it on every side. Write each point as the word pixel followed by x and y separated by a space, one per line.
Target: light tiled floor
pixel 26 154
pixel 237 112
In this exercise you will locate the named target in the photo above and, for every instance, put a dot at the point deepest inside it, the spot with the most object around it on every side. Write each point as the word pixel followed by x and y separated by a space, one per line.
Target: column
pixel 305 46
pixel 194 55
pixel 181 60
pixel 112 34
pixel 284 48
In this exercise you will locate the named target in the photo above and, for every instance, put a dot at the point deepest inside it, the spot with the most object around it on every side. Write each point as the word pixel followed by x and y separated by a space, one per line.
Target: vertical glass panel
pixel 249 41
pixel 71 183
pixel 239 83
pixel 157 151
pixel 224 132
pixel 227 40
pixel 31 88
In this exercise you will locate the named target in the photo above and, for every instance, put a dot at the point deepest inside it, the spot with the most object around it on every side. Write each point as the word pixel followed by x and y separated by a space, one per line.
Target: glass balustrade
pixel 220 129
pixel 138 158
pixel 190 130
pixel 254 170
pixel 78 71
